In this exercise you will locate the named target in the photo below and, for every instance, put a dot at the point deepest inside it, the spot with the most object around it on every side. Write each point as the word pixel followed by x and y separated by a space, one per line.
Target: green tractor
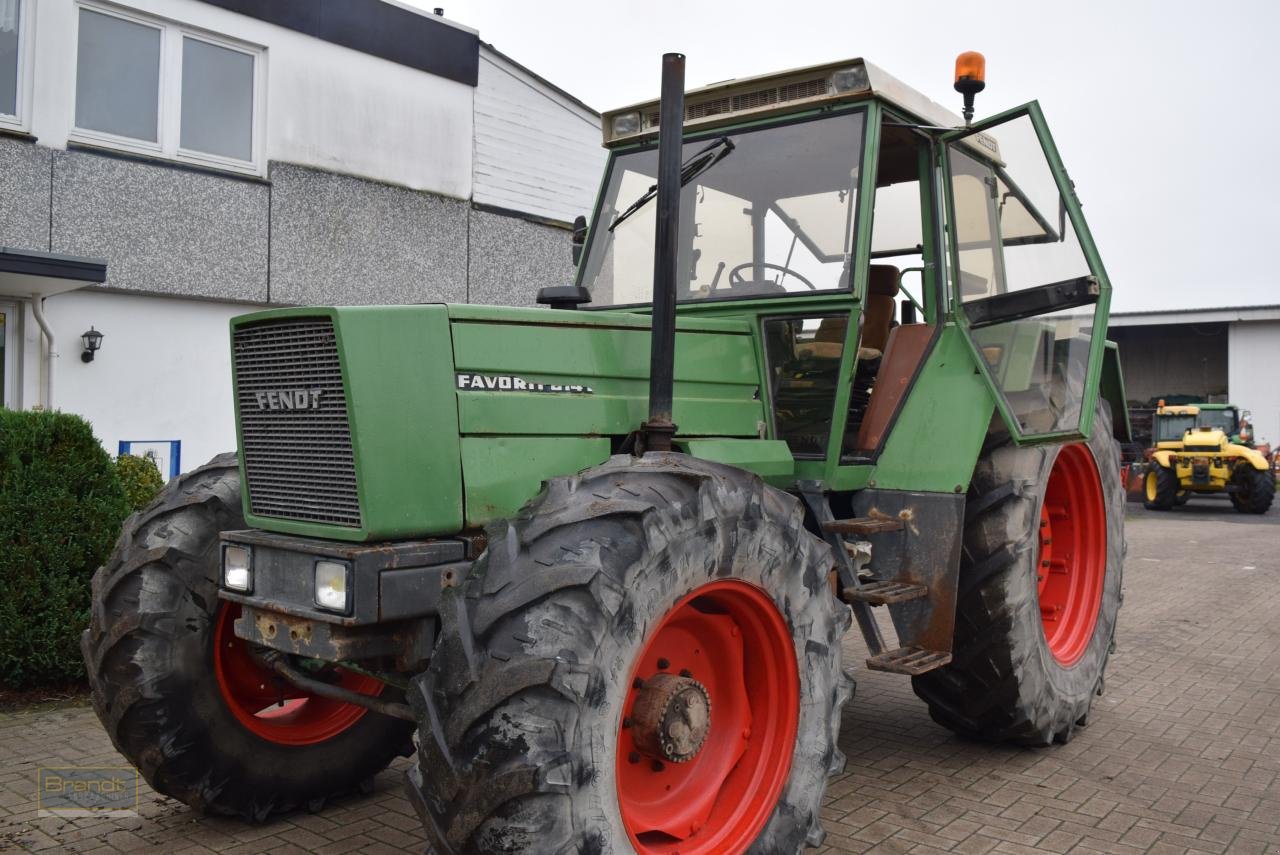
pixel 829 351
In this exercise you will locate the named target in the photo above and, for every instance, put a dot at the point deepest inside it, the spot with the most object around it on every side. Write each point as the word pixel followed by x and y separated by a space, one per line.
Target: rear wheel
pixel 188 702
pixel 1039 592
pixel 1255 490
pixel 646 659
pixel 1161 488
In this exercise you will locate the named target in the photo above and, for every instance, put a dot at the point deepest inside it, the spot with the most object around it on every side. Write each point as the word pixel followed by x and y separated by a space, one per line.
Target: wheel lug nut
pixel 637 683
pixel 663 664
pixel 626 722
pixel 657 766
pixel 633 757
pixel 685 672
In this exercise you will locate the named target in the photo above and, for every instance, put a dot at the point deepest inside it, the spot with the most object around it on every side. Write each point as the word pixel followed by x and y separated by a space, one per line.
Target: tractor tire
pixel 1160 488
pixel 1255 490
pixel 594 597
pixel 1032 640
pixel 177 692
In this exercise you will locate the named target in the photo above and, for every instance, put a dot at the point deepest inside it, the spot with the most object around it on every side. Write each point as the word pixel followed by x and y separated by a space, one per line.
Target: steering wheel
pixel 736 279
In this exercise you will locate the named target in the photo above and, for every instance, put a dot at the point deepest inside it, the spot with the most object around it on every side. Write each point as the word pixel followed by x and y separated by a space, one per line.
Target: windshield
pixel 1170 428
pixel 1223 420
pixel 764 211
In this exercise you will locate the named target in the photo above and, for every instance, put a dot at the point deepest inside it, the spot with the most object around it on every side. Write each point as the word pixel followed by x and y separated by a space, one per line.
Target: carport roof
pixel 26 273
pixel 1195 316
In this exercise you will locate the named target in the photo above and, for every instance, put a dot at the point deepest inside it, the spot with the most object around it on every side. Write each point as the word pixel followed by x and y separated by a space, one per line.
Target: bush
pixel 140 479
pixel 61 506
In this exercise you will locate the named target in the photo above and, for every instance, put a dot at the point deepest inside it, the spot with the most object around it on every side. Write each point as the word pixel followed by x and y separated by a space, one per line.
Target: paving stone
pixel 1183 754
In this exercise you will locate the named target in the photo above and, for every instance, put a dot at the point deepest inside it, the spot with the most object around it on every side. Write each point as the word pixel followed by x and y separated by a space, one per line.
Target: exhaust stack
pixel 658 430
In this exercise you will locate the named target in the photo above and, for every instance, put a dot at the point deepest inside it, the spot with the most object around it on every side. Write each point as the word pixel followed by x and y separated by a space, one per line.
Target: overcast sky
pixel 1165 113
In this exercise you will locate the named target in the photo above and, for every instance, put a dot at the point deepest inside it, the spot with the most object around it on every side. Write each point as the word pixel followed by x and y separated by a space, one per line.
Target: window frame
pixel 169 95
pixel 747 125
pixel 20 121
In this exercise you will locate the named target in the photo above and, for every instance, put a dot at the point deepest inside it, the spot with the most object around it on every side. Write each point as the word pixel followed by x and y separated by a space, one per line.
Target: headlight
pixel 627 123
pixel 850 79
pixel 333 591
pixel 237 568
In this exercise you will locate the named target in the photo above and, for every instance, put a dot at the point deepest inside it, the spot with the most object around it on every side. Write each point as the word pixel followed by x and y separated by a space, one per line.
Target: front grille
pixel 295 433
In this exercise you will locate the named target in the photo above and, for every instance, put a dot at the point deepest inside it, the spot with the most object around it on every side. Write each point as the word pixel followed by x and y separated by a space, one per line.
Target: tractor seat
pixel 828 341
pixel 882 287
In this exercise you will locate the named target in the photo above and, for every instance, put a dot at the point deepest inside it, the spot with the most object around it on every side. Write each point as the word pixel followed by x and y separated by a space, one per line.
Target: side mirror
pixel 563 296
pixel 579 237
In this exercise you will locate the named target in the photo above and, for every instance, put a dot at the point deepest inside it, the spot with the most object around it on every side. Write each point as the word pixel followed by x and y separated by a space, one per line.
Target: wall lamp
pixel 92 342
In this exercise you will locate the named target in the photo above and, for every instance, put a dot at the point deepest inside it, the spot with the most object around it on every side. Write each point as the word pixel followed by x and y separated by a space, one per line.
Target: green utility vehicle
pixel 830 350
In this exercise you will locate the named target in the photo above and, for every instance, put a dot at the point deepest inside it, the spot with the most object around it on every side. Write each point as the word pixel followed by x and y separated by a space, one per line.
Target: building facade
pixel 225 155
pixel 1216 355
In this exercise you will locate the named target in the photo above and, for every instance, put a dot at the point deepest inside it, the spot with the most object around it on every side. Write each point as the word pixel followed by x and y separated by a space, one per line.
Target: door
pixel 1028 286
pixel 9 344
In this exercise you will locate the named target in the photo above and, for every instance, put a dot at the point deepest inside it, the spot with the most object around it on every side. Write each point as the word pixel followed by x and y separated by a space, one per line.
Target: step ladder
pixel 885 593
pixel 863 594
pixel 911 661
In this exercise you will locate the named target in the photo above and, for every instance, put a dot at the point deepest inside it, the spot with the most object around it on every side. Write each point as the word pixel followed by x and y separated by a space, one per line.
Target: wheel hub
pixel 671 717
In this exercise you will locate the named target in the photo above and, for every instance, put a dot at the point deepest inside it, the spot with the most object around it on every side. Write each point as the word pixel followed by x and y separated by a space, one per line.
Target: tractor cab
pixel 861 230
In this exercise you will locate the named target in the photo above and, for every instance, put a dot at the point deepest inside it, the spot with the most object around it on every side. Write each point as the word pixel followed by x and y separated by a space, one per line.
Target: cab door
pixel 1028 286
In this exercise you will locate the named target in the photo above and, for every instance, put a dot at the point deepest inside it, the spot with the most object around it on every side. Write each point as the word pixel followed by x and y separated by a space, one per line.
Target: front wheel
pixel 1039 592
pixel 1160 488
pixel 1255 490
pixel 646 659
pixel 186 700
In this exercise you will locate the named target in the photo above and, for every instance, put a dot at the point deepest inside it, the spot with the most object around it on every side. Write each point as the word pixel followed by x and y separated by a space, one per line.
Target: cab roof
pixel 732 101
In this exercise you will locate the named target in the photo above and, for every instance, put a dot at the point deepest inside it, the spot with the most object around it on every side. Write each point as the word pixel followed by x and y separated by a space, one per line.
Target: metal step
pixel 885 593
pixel 911 661
pixel 862 526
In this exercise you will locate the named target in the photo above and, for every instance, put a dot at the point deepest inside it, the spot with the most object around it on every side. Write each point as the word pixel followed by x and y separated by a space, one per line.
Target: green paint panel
pixel 717 375
pixel 502 473
pixel 935 443
pixel 768 458
pixel 1111 388
pixel 398 372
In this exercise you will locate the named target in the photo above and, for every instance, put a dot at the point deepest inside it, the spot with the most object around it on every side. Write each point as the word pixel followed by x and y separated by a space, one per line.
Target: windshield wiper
pixel 697 164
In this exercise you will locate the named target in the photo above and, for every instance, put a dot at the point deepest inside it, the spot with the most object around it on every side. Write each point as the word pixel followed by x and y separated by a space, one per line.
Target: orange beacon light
pixel 971 78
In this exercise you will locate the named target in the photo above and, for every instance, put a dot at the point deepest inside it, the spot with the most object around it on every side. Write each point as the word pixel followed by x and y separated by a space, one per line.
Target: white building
pixel 1223 355
pixel 223 155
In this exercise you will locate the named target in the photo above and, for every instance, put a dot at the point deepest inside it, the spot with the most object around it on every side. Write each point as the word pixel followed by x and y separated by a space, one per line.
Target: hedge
pixel 140 480
pixel 61 508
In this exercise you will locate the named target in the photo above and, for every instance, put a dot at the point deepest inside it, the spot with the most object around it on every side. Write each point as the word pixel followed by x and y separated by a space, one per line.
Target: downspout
pixel 37 309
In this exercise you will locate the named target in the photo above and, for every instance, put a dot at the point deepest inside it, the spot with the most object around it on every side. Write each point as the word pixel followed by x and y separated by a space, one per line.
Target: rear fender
pixel 1111 388
pixel 1256 460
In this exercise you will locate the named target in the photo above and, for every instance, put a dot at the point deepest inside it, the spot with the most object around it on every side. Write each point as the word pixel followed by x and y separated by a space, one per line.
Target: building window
pixel 159 88
pixel 15 61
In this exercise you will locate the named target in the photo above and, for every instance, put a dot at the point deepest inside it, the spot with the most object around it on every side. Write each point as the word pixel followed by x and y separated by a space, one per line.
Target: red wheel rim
pixel 1073 553
pixel 270 707
pixel 731 638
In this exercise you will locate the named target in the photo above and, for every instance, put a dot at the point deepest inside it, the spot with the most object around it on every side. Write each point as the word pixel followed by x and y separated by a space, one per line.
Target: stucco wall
pixel 338 239
pixel 161 229
pixel 511 258
pixel 24 194
pixel 164 370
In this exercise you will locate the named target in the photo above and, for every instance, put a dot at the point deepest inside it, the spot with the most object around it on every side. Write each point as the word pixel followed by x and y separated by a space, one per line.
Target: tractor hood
pixel 392 422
